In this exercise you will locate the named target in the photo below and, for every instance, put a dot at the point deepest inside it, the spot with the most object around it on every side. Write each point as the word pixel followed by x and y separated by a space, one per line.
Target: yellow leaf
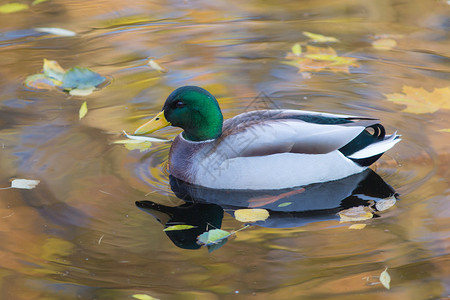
pixel 83 110
pixel 359 213
pixel 52 69
pixel 357 226
pixel 297 49
pixel 143 297
pixel 36 2
pixel 178 227
pixel 154 65
pixel 318 38
pixel 444 130
pixel 385 279
pixel 12 8
pixel 420 101
pixel 251 215
pixel 135 144
pixel 384 44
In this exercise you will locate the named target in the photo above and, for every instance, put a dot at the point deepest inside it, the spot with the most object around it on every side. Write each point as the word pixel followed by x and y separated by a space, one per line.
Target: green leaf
pixel 36 2
pixel 179 227
pixel 297 49
pixel 52 69
pixel 81 78
pixel 213 236
pixel 217 245
pixel 143 297
pixel 83 110
pixel 284 204
pixel 12 8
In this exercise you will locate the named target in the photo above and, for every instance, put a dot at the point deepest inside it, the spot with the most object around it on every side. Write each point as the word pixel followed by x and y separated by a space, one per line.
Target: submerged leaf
pixel 26 184
pixel 52 69
pixel 81 78
pixel 179 227
pixel 41 82
pixel 296 49
pixel 83 110
pixel 384 44
pixel 318 38
pixel 420 101
pixel 135 144
pixel 251 215
pixel 12 7
pixel 385 279
pixel 213 236
pixel 56 31
pixel 359 213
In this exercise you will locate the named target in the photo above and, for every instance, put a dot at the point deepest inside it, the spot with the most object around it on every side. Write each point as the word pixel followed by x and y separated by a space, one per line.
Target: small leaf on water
pixel 36 2
pixel 83 110
pixel 82 92
pixel 384 44
pixel 251 215
pixel 81 78
pixel 41 82
pixel 179 227
pixel 26 184
pixel 213 236
pixel 357 226
pixel 56 31
pixel 385 204
pixel 144 297
pixel 284 204
pixel 420 101
pixel 359 213
pixel 297 49
pixel 385 279
pixel 12 7
pixel 52 69
pixel 318 38
pixel 154 65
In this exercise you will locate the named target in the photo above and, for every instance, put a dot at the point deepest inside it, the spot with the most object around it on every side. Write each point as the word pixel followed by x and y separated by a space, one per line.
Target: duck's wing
pixel 269 132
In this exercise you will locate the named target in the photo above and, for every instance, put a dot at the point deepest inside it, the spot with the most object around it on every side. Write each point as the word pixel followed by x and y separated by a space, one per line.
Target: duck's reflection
pixel 204 207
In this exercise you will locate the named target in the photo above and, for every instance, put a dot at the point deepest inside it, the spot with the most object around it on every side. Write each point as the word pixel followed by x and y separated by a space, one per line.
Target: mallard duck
pixel 264 149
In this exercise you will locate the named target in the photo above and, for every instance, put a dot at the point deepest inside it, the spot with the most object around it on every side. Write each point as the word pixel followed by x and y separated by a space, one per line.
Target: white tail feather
pixel 377 148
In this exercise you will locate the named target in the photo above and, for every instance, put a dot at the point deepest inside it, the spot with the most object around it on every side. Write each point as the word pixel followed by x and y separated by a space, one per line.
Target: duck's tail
pixel 367 148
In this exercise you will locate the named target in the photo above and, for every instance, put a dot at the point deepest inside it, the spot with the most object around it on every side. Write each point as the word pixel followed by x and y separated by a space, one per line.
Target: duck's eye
pixel 179 104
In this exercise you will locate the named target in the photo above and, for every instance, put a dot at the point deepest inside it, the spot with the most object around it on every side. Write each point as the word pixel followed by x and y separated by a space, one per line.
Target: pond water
pixel 79 234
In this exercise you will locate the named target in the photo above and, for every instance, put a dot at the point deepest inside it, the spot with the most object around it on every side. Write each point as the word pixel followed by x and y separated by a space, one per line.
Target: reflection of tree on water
pixel 287 208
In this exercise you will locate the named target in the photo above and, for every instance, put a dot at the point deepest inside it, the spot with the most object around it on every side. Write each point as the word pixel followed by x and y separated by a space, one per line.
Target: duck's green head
pixel 193 109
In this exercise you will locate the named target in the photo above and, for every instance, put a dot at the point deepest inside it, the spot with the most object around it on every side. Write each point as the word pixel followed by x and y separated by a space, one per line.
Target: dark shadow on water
pixel 204 207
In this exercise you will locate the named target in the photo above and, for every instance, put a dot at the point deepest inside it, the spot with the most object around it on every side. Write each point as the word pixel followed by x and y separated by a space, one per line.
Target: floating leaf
pixel 384 44
pixel 56 31
pixel 385 279
pixel 318 38
pixel 251 215
pixel 420 101
pixel 82 92
pixel 12 7
pixel 357 226
pixel 320 59
pixel 81 78
pixel 40 82
pixel 444 130
pixel 179 227
pixel 52 69
pixel 26 184
pixel 284 204
pixel 154 65
pixel 83 110
pixel 144 297
pixel 213 236
pixel 385 204
pixel 36 2
pixel 359 213
pixel 296 49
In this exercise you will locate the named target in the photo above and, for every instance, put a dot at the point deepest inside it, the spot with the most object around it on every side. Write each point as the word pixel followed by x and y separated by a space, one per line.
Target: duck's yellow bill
pixel 158 122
